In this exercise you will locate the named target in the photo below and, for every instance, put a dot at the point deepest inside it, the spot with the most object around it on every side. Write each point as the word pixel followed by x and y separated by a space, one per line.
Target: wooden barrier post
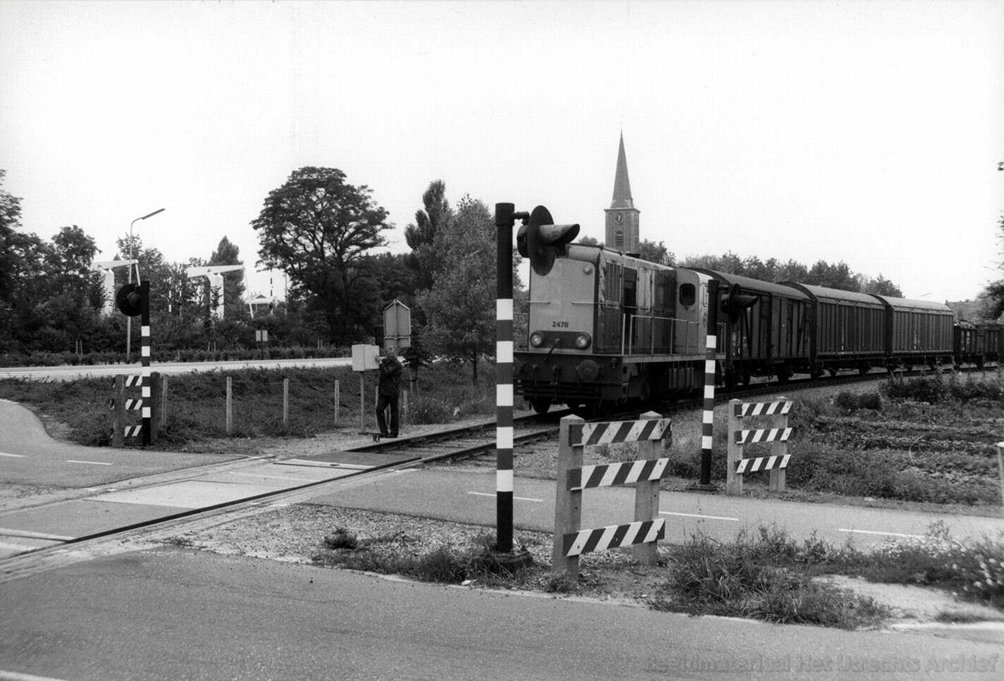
pixel 567 503
pixel 285 403
pixel 570 541
pixel 779 448
pixel 163 400
pixel 154 405
pixel 118 413
pixel 733 480
pixel 1000 467
pixel 404 408
pixel 362 401
pixel 777 436
pixel 230 405
pixel 338 400
pixel 646 499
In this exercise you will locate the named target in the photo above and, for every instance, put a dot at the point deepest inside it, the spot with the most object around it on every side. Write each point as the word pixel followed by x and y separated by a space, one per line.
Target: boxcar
pixel 917 331
pixel 769 337
pixel 976 343
pixel 846 329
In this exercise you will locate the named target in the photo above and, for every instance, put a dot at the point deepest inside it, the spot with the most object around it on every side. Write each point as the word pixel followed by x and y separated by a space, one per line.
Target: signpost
pixel 397 326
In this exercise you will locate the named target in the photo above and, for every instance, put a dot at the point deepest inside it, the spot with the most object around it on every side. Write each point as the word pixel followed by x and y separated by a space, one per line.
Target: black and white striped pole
pixel 708 421
pixel 144 292
pixel 505 217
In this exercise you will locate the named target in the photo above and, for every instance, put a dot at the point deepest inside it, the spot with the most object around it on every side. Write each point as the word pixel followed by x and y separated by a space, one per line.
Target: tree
pixel 992 297
pixel 227 253
pixel 460 306
pixel 316 227
pixel 837 276
pixel 655 252
pixel 10 221
pixel 421 236
pixel 881 287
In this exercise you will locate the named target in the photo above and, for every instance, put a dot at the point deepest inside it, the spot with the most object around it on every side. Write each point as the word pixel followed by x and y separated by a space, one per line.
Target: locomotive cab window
pixel 688 295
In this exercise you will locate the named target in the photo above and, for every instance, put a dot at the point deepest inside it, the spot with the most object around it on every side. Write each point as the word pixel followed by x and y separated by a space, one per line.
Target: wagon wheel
pixel 540 405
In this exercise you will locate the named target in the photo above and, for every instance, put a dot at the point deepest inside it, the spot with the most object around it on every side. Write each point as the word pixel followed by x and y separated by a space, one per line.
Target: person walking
pixel 388 392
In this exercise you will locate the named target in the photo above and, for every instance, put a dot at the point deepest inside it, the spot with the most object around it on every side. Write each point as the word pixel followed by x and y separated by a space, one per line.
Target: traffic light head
pixel 736 301
pixel 129 300
pixel 542 241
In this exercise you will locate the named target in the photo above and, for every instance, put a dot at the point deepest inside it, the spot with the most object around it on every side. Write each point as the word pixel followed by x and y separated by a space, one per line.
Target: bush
pixel 851 402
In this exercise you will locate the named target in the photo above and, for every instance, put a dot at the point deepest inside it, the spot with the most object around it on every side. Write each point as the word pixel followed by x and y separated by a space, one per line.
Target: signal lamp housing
pixel 542 241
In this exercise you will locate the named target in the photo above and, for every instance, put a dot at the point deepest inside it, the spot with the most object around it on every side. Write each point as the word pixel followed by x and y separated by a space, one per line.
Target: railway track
pixel 446 445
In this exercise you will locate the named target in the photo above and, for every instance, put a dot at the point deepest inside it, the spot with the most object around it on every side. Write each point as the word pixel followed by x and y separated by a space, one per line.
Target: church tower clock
pixel 622 217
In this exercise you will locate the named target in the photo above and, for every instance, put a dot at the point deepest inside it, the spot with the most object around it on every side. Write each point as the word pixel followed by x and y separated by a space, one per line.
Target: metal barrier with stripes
pixel 570 541
pixel 777 436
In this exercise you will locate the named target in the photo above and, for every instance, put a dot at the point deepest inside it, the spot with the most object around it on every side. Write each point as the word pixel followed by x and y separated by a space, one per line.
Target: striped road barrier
pixel 776 436
pixel 570 540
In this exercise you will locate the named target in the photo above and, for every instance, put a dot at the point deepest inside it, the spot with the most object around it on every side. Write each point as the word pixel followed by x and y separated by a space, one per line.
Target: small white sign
pixel 365 358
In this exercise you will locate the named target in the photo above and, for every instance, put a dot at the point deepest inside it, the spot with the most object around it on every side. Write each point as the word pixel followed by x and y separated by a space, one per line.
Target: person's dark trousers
pixel 384 401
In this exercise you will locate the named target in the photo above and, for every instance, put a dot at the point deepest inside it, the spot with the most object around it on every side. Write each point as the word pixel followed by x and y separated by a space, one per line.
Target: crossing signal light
pixel 736 302
pixel 542 241
pixel 129 300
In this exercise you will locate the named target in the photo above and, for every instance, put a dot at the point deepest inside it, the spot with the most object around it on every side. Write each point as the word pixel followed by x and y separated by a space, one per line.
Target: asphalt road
pixel 469 496
pixel 28 456
pixel 175 614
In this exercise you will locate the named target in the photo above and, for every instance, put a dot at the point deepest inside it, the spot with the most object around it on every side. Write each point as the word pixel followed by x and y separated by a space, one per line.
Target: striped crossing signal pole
pixel 144 291
pixel 708 419
pixel 540 240
pixel 133 300
pixel 505 218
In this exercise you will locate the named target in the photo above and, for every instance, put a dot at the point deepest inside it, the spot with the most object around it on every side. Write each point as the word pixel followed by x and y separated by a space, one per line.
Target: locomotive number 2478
pixel 559 325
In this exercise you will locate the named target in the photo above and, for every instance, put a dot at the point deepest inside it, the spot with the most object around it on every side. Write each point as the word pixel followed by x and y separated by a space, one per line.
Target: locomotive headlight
pixel 536 339
pixel 582 341
pixel 587 269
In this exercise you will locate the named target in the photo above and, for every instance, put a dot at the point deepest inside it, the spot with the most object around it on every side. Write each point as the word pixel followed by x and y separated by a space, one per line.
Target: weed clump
pixel 764 575
pixel 445 563
pixel 972 570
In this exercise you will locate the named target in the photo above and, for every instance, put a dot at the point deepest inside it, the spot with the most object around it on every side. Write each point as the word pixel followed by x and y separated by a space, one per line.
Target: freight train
pixel 605 328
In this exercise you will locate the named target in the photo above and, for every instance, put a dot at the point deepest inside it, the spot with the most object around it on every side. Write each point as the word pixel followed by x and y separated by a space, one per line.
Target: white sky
pixel 863 132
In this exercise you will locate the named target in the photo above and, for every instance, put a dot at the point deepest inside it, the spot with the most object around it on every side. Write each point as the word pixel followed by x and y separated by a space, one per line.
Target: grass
pixel 762 573
pixel 929 440
pixel 196 404
pixel 398 554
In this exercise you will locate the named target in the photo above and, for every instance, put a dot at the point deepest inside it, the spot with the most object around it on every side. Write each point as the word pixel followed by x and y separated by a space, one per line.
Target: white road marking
pixel 487 494
pixel 89 463
pixel 695 515
pixel 17 547
pixel 274 477
pixel 17 676
pixel 891 534
pixel 28 534
pixel 14 456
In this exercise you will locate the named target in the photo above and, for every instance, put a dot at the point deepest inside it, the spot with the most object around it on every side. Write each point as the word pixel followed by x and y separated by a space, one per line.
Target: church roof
pixel 622 185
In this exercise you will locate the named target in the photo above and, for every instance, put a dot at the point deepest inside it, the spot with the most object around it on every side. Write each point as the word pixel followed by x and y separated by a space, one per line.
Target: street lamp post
pixel 132 248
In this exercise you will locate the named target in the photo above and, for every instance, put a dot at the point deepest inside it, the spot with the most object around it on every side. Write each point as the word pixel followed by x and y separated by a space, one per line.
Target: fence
pixel 570 541
pixel 777 435
pixel 154 399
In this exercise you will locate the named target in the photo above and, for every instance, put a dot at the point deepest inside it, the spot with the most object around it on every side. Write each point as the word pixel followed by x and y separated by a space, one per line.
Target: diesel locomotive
pixel 605 328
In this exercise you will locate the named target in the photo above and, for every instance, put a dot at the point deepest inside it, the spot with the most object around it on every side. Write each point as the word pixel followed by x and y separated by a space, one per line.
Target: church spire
pixel 622 231
pixel 622 185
